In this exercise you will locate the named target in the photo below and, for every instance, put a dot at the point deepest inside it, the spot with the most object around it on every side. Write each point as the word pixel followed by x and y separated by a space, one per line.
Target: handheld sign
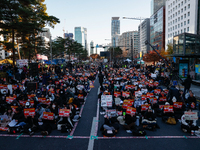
pixel 144 97
pixel 48 116
pixel 14 108
pixel 29 111
pixel 162 99
pixel 14 87
pixel 41 99
pixel 3 86
pixel 117 94
pixel 9 99
pixel 168 108
pixel 64 112
pixel 106 100
pixel 157 91
pixel 149 95
pixel 178 105
pixel 144 107
pixel 131 111
pixel 125 94
pixel 126 104
pixel 80 96
pixel 191 115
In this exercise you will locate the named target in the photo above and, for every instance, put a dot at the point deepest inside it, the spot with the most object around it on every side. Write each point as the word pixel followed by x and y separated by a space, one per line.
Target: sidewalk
pixel 195 89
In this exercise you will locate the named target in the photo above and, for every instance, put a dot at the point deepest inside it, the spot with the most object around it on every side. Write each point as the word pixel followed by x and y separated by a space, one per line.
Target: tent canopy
pixel 6 61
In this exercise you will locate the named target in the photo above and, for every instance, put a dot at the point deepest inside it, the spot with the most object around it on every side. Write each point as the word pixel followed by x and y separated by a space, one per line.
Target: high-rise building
pixel 91 47
pixel 156 5
pixel 181 17
pixel 115 29
pixel 68 35
pixel 144 35
pixel 157 28
pixel 125 43
pixel 81 36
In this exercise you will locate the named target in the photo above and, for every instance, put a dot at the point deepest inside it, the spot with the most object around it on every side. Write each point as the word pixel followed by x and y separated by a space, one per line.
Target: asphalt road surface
pixel 86 135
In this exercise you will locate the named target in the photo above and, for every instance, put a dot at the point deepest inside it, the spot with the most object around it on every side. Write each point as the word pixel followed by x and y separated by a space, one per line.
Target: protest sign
pixel 29 111
pixel 64 112
pixel 131 110
pixel 168 108
pixel 191 115
pixel 178 105
pixel 144 107
pixel 48 115
pixel 117 94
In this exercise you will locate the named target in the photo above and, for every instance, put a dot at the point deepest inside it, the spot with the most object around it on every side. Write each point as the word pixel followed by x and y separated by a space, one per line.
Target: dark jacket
pixel 19 116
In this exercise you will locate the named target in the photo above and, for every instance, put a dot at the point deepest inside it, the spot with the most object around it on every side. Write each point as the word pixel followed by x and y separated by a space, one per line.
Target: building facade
pixel 115 29
pixel 68 35
pixel 157 29
pixel 144 35
pixel 91 47
pixel 81 36
pixel 124 42
pixel 156 5
pixel 181 17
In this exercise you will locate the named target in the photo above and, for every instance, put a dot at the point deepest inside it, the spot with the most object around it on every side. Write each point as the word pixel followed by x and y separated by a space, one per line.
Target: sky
pixel 95 15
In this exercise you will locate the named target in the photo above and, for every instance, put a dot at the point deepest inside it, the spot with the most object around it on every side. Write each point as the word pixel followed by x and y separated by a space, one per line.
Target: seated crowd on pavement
pixel 133 97
pixel 49 101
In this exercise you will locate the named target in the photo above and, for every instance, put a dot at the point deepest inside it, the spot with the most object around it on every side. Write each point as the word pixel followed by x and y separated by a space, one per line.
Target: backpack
pixel 138 131
pixel 171 120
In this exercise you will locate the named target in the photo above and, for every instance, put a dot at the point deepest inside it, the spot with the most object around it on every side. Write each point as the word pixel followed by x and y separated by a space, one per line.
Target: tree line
pixel 21 22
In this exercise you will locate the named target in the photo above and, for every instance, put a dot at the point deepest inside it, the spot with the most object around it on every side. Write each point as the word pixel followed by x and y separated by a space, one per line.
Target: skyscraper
pixel 81 36
pixel 144 34
pixel 115 29
pixel 91 47
pixel 68 35
pixel 156 5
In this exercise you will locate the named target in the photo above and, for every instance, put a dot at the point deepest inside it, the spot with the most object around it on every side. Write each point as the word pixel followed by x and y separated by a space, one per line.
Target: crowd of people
pixel 50 100
pixel 134 96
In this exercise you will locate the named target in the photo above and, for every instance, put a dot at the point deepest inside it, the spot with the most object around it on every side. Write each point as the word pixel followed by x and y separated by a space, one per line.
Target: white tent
pixel 128 60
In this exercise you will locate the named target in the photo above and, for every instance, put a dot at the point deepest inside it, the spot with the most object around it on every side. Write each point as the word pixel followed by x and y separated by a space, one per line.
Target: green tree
pixel 23 20
pixel 170 48
pixel 117 51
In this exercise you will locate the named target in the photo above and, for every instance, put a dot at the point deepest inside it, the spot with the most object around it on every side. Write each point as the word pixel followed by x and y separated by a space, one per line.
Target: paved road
pixel 85 137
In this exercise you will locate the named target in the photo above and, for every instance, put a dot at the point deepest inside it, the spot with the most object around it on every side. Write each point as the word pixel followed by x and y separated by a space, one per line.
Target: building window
pixel 181 24
pixel 173 21
pixel 181 10
pixel 178 25
pixel 178 5
pixel 184 15
pixel 181 31
pixel 182 3
pixel 178 18
pixel 185 8
pixel 181 17
pixel 178 32
pixel 188 21
pixel 188 13
pixel 184 29
pixel 184 22
pixel 185 1
pixel 188 29
pixel 188 6
pixel 175 26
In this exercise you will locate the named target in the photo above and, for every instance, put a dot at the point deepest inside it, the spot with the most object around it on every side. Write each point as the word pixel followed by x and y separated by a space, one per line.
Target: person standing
pixel 187 84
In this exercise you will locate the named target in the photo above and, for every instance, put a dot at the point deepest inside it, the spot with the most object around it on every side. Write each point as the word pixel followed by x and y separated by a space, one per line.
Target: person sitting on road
pixel 188 125
pixel 191 101
pixel 168 117
pixel 149 120
pixel 129 122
